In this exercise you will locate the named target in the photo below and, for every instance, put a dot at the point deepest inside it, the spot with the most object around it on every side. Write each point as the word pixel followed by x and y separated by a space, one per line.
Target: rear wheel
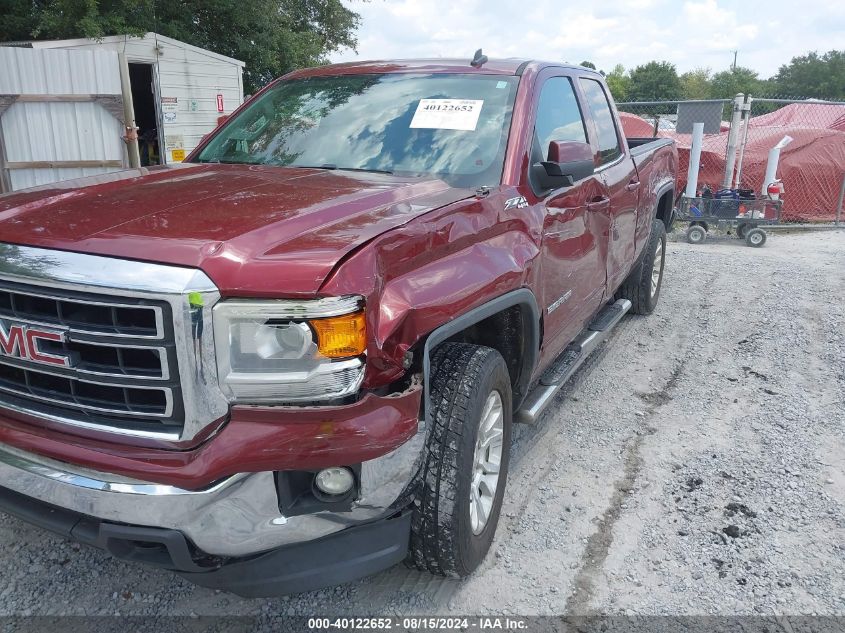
pixel 456 508
pixel 642 287
pixel 741 230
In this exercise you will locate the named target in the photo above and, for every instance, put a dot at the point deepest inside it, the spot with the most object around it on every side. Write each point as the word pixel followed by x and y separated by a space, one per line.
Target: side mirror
pixel 568 162
pixel 222 119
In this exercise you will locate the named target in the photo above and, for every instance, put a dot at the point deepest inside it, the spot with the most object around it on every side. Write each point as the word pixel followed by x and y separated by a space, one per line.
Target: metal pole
pixel 733 135
pixel 5 177
pixel 772 164
pixel 841 199
pixel 730 153
pixel 746 109
pixel 694 159
pixel 131 136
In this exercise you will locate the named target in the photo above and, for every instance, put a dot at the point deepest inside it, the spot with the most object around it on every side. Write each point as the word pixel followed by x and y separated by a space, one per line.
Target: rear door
pixel 573 276
pixel 619 175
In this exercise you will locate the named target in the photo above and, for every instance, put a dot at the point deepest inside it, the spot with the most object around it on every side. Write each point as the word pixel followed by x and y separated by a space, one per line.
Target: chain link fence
pixel 812 165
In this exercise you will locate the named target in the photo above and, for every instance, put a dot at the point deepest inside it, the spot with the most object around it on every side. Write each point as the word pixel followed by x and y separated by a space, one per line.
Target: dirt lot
pixel 695 465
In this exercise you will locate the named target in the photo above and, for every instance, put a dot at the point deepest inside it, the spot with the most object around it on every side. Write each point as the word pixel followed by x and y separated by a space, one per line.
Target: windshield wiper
pixel 335 167
pixel 217 161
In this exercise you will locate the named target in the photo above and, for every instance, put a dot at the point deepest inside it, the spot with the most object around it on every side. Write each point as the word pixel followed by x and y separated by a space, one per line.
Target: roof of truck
pixel 509 66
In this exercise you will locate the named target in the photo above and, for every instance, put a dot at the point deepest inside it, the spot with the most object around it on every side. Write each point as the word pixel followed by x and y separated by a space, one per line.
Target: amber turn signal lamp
pixel 341 336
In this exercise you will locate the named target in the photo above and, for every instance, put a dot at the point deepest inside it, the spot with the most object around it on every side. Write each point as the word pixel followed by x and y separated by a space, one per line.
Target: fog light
pixel 336 480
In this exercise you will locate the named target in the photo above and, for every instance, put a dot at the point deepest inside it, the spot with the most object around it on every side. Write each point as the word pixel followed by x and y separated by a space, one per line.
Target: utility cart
pixel 742 216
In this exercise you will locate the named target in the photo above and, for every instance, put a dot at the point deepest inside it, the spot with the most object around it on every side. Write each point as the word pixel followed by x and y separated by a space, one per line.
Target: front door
pixel 574 227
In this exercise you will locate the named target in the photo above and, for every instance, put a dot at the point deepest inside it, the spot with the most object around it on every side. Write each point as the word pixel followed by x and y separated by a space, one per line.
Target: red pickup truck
pixel 295 359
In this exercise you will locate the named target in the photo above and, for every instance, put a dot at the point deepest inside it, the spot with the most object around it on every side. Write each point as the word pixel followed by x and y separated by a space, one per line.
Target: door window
pixel 608 139
pixel 558 115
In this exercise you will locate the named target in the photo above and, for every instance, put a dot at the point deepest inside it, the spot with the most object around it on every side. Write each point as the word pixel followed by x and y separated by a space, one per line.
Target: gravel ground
pixel 695 465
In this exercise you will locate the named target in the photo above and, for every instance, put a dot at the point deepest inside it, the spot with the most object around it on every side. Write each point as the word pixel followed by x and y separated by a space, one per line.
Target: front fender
pixel 424 275
pixel 416 304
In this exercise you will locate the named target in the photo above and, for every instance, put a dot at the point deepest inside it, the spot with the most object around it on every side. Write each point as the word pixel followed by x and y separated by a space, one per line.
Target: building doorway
pixel 144 99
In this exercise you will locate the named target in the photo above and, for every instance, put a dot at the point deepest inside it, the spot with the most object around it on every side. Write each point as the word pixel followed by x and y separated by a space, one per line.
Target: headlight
pixel 290 351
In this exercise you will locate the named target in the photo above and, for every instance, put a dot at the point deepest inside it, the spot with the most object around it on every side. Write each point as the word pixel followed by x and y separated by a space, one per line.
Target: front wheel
pixel 642 287
pixel 456 507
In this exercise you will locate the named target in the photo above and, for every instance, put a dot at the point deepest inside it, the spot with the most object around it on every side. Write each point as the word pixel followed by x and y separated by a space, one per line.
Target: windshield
pixel 454 127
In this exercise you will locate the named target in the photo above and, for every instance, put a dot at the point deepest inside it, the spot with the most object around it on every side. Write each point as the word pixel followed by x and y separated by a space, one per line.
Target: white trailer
pixel 62 109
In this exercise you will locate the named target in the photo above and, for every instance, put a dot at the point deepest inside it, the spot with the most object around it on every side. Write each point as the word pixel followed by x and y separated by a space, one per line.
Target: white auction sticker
pixel 447 114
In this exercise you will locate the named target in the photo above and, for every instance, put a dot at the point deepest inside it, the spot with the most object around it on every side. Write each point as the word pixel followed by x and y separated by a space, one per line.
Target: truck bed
pixel 649 154
pixel 642 145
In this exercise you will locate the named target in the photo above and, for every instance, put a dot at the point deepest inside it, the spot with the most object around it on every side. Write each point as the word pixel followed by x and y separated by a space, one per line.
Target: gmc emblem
pixel 21 341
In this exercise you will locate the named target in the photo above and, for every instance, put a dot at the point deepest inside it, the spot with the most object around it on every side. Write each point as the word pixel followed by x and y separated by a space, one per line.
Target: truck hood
pixel 255 230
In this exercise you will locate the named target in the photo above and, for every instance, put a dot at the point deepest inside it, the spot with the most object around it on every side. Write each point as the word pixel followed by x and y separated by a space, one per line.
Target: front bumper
pixel 235 517
pixel 337 558
pixel 254 439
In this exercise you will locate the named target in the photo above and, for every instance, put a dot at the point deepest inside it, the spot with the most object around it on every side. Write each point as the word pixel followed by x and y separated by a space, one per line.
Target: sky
pixel 692 34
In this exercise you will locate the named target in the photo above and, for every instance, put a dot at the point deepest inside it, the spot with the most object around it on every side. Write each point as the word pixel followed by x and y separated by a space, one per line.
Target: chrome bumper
pixel 236 517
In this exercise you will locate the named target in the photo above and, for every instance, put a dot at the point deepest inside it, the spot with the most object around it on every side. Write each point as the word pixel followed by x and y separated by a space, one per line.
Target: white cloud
pixel 725 31
pixel 631 32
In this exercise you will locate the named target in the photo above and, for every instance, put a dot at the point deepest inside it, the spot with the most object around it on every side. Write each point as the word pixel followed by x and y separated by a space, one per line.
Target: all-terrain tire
pixel 637 288
pixel 462 378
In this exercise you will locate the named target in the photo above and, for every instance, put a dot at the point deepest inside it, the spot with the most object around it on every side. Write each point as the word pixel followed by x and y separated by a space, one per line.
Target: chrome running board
pixel 570 360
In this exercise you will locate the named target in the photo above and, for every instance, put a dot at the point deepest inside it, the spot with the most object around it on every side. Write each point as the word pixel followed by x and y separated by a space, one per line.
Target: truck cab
pixel 296 358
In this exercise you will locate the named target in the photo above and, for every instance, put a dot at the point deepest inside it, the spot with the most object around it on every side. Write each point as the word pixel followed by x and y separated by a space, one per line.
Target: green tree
pixel 813 75
pixel 618 82
pixel 695 84
pixel 271 36
pixel 19 19
pixel 654 81
pixel 726 84
pixel 587 64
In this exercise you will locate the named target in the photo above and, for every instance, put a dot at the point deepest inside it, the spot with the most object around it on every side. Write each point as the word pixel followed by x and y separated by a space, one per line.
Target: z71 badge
pixel 516 203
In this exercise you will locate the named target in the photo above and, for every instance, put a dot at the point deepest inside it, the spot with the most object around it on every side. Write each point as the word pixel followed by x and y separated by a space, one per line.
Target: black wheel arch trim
pixel 525 299
pixel 668 187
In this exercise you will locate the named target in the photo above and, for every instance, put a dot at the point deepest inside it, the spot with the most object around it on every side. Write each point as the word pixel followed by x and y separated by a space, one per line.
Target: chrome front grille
pixel 90 315
pixel 84 395
pixel 135 341
pixel 121 358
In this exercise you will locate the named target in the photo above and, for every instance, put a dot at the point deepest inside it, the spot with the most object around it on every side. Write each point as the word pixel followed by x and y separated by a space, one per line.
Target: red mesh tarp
pixel 823 116
pixel 812 166
pixel 634 126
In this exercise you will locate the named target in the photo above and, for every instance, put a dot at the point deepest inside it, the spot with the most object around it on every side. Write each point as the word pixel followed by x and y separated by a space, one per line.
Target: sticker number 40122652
pixel 447 114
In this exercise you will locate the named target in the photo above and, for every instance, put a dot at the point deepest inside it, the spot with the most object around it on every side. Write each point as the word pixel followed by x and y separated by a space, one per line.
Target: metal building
pixel 64 104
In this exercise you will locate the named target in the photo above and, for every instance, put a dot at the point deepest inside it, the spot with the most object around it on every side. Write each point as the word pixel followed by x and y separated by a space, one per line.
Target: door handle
pixel 598 204
pixel 633 185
